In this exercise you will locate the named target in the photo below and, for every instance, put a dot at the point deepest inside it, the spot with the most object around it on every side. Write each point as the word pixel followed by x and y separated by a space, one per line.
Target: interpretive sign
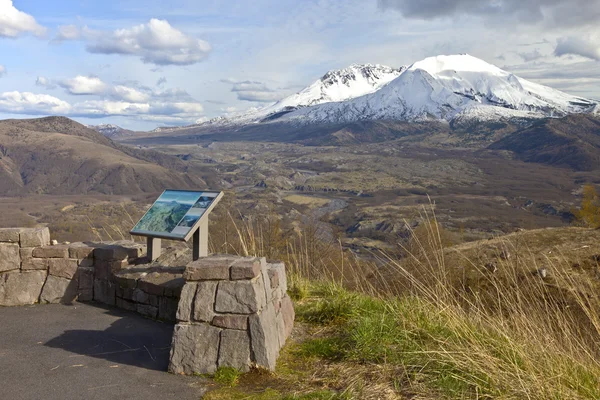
pixel 177 215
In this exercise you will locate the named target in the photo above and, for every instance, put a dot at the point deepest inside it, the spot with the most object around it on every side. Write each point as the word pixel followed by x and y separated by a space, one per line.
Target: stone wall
pixel 33 271
pixel 233 312
pixel 230 311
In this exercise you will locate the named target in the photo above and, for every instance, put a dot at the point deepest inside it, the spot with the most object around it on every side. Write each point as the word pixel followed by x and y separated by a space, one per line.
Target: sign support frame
pixel 198 233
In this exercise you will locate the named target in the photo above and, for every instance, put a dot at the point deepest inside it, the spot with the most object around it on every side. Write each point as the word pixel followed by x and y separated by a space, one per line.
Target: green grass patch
pixel 444 351
pixel 227 376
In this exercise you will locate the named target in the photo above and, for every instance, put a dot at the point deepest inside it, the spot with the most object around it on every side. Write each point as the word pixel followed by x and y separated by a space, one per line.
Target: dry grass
pixel 423 327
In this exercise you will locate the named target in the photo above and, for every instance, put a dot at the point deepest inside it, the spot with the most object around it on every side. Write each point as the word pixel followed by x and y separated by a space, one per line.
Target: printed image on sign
pixel 174 213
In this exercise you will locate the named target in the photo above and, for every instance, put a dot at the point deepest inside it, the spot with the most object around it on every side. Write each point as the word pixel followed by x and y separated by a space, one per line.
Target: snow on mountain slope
pixel 339 85
pixel 336 85
pixel 447 87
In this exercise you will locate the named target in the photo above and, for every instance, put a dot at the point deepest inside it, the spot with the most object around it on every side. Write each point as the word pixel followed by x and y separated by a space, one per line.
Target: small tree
pixel 589 213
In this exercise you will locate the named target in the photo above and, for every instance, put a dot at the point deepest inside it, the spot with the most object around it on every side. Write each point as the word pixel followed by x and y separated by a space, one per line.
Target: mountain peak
pixel 369 72
pixel 455 63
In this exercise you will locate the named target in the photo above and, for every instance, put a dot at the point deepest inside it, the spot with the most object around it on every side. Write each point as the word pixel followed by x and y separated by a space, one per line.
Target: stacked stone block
pixel 21 278
pixel 153 292
pixel 233 312
pixel 32 271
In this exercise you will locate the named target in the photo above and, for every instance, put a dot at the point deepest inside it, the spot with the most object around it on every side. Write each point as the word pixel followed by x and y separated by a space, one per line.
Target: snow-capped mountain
pixel 436 88
pixel 110 131
pixel 449 87
pixel 336 85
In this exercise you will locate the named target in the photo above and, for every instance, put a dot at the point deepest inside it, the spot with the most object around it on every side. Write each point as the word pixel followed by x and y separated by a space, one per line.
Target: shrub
pixel 589 213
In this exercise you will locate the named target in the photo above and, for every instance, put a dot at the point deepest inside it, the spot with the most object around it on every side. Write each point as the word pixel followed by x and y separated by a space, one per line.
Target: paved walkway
pixel 57 352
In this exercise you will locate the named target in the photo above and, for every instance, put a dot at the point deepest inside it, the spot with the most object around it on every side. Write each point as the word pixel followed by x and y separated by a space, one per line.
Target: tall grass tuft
pixel 452 326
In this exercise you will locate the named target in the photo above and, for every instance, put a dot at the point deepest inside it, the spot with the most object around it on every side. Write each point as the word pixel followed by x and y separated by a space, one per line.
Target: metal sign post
pixel 154 247
pixel 178 215
pixel 200 241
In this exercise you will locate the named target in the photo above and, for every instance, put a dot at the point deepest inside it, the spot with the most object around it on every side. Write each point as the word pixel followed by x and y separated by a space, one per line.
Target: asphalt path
pixel 84 351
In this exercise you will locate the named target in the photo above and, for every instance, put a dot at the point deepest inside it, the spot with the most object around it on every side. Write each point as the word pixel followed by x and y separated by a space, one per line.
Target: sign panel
pixel 175 213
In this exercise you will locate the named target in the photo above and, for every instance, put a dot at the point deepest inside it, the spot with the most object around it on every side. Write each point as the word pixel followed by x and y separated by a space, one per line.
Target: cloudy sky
pixel 142 64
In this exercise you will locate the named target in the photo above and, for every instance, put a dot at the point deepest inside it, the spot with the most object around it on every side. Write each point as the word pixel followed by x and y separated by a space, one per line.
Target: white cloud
pixel 69 32
pixel 104 108
pixel 263 97
pixel 14 22
pixel 248 86
pixel 153 109
pixel 531 55
pixel 2 70
pixel 84 85
pixel 30 103
pixel 554 13
pixel 253 91
pixel 129 94
pixel 44 82
pixel 584 47
pixel 156 42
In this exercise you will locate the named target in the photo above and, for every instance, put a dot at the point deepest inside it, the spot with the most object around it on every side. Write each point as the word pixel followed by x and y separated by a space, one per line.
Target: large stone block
pixel 30 263
pixel 125 293
pixel 186 301
pixel 104 292
pixel 26 252
pixel 34 264
pixel 35 237
pixel 204 303
pixel 106 269
pixel 139 296
pixel 86 262
pixel 173 287
pixel 163 281
pixel 264 271
pixel 234 350
pixel 117 252
pixel 240 297
pixel 194 349
pixel 246 268
pixel 81 251
pixel 85 295
pixel 124 278
pixel 10 235
pixel 211 268
pixel 167 308
pixel 231 321
pixel 63 267
pixel 10 259
pixel 21 288
pixel 59 290
pixel 265 337
pixel 86 277
pixel 288 313
pixel 281 276
pixel 59 251
pixel 126 305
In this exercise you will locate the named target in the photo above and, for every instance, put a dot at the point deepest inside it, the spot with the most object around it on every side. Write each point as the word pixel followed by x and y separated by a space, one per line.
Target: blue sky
pixel 142 64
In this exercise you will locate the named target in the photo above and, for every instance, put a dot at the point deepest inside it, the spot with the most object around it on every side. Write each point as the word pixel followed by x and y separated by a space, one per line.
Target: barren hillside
pixel 56 155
